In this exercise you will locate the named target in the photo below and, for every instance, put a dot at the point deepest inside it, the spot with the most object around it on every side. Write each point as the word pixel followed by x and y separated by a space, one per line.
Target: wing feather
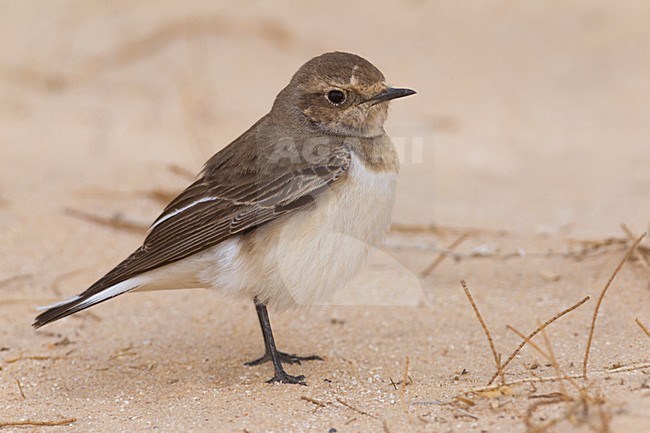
pixel 210 211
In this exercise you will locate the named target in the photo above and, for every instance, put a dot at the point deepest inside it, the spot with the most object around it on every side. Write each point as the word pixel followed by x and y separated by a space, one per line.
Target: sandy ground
pixel 530 127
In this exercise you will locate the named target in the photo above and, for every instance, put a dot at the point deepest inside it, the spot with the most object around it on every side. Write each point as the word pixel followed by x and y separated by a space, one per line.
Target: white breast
pixel 318 251
pixel 306 256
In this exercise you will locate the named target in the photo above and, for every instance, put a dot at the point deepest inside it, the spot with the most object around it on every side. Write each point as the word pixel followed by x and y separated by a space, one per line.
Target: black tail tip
pixel 46 317
pixel 37 324
pixel 39 321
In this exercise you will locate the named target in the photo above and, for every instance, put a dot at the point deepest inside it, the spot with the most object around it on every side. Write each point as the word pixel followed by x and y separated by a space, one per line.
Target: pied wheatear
pixel 284 215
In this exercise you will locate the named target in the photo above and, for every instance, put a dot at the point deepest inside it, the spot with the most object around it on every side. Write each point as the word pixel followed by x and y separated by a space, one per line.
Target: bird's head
pixel 341 94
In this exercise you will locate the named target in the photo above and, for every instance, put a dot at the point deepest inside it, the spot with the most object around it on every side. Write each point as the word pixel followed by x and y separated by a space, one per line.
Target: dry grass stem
pixel 124 351
pixel 464 400
pixel 349 406
pixel 181 171
pixel 191 27
pixel 530 412
pixel 318 403
pixel 637 253
pixel 528 341
pixel 33 358
pixel 20 388
pixel 443 255
pixel 643 327
pixel 434 229
pixel 554 363
pixel 12 301
pixel 577 413
pixel 624 368
pixel 117 221
pixel 589 249
pixel 161 196
pixel 405 380
pixel 10 280
pixel 56 283
pixel 545 379
pixel 465 413
pixel 158 195
pixel 579 409
pixel 486 331
pixel 37 423
pixel 415 229
pixel 535 332
pixel 585 362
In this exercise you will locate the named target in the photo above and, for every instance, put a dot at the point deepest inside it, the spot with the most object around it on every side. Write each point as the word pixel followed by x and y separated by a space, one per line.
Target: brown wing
pixel 211 211
pixel 207 214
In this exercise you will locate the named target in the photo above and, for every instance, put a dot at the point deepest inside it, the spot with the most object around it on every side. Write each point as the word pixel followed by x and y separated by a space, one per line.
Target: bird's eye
pixel 336 97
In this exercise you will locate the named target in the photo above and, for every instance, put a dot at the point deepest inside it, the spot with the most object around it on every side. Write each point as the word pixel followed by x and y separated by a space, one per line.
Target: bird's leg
pixel 273 355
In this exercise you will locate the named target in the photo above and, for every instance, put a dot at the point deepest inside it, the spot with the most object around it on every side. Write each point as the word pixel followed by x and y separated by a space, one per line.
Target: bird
pixel 284 215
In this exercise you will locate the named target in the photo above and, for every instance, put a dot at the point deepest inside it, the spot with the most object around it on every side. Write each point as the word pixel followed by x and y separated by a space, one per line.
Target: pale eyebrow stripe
pixel 184 208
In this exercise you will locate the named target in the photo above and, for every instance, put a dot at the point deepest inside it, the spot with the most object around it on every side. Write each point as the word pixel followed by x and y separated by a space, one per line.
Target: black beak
pixel 390 93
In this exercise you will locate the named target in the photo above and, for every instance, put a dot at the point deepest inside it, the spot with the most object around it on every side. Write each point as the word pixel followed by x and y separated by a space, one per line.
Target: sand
pixel 529 133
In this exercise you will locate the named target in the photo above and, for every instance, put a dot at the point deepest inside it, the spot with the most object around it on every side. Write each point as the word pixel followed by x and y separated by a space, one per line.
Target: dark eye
pixel 336 97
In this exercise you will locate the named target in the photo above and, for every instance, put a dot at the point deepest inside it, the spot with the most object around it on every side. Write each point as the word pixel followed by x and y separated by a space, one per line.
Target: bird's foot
pixel 283 377
pixel 285 358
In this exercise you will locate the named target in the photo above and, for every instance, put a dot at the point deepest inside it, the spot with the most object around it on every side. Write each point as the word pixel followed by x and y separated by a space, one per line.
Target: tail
pixel 84 300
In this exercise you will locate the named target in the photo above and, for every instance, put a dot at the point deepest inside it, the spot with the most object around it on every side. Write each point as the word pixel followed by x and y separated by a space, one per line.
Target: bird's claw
pixel 285 358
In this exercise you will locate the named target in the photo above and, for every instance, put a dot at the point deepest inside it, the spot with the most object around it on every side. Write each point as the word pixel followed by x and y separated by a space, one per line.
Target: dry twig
pixel 443 255
pixel 643 327
pixel 535 332
pixel 188 28
pixel 556 365
pixel 33 358
pixel 585 362
pixel 545 379
pixel 349 406
pixel 318 403
pixel 15 278
pixel 405 378
pixel 20 388
pixel 10 301
pixel 528 341
pixel 434 229
pixel 181 171
pixel 486 331
pixel 465 413
pixel 37 423
pixel 579 408
pixel 156 194
pixel 637 253
pixel 530 412
pixel 117 221
pixel 56 283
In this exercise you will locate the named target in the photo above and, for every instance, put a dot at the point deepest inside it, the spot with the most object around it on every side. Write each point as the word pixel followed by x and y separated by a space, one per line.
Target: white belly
pixel 306 256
